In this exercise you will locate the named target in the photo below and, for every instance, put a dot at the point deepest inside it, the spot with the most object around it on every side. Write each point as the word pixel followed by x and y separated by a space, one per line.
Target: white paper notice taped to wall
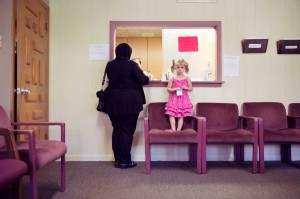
pixel 99 52
pixel 231 65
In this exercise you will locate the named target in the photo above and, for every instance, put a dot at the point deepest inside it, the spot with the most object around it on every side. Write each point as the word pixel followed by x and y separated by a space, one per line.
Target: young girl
pixel 179 105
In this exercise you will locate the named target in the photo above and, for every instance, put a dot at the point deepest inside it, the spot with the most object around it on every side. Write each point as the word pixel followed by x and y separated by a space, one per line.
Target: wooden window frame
pixel 114 25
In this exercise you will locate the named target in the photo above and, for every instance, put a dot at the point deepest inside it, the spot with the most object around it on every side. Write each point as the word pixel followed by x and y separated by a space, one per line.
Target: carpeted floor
pixel 100 180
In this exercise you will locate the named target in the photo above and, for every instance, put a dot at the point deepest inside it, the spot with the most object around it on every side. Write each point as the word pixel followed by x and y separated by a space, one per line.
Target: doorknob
pixel 22 91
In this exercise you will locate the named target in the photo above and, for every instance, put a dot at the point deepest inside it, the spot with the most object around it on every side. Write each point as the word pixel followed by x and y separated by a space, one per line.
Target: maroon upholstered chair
pixel 294 114
pixel 37 153
pixel 274 124
pixel 11 168
pixel 156 122
pixel 225 126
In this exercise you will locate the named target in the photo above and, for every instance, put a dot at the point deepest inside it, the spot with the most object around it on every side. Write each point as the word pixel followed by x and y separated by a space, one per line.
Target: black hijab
pixel 122 51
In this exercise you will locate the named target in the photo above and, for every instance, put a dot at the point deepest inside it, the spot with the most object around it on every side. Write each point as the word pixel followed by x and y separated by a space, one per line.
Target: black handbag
pixel 101 96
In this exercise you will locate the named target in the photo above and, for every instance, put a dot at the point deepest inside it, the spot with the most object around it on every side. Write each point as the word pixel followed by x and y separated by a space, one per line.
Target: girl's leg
pixel 180 123
pixel 172 122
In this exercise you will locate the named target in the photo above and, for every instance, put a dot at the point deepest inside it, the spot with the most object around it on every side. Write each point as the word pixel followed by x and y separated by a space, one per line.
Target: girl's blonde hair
pixel 183 63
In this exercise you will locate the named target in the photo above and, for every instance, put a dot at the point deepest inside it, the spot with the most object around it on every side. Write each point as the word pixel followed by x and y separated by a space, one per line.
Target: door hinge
pixel 15 48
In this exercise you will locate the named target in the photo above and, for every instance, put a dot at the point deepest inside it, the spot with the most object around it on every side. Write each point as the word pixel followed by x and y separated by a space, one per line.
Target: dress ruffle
pixel 178 112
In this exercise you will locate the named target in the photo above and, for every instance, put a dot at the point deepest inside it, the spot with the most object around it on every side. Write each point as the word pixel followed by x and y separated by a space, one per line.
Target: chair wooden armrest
pixel 251 122
pixel 293 120
pixel 9 139
pixel 293 117
pixel 31 144
pixel 61 124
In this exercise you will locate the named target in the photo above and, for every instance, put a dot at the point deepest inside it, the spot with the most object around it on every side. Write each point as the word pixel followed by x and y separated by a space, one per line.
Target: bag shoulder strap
pixel 103 79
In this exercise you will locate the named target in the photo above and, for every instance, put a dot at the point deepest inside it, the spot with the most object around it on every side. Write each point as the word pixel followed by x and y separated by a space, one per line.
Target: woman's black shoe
pixel 130 165
pixel 117 165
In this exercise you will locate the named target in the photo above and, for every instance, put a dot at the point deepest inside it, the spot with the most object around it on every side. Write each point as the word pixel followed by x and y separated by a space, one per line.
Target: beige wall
pixel 74 79
pixel 5 55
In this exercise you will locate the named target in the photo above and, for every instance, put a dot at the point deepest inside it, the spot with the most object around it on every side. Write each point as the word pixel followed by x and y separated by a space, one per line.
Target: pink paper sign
pixel 188 44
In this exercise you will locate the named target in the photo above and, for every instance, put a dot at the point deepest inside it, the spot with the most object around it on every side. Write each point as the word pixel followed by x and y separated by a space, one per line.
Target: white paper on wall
pixel 231 65
pixel 99 52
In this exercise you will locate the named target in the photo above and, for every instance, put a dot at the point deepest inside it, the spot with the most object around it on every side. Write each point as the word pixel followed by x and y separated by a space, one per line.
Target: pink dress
pixel 179 106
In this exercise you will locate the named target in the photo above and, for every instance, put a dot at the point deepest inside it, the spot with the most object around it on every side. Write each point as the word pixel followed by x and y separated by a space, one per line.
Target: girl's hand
pixel 175 89
pixel 185 88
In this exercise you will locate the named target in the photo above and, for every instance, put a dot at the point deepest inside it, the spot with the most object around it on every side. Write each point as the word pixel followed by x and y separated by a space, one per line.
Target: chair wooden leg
pixel 198 171
pixel 203 158
pixel 63 174
pixel 192 152
pixel 261 158
pixel 148 158
pixel 33 184
pixel 254 159
pixel 261 147
pixel 242 152
pixel 239 153
pixel 285 150
pixel 17 189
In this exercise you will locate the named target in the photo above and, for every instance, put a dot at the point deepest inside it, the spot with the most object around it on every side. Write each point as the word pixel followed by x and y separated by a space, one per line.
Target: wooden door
pixel 139 50
pixel 149 50
pixel 155 57
pixel 31 64
pixel 121 40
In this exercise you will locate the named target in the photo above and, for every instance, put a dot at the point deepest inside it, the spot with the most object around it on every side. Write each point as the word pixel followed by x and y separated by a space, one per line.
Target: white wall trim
pixel 295 157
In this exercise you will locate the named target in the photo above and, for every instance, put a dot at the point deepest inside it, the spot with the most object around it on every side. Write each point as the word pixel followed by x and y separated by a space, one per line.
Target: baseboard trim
pixel 295 157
